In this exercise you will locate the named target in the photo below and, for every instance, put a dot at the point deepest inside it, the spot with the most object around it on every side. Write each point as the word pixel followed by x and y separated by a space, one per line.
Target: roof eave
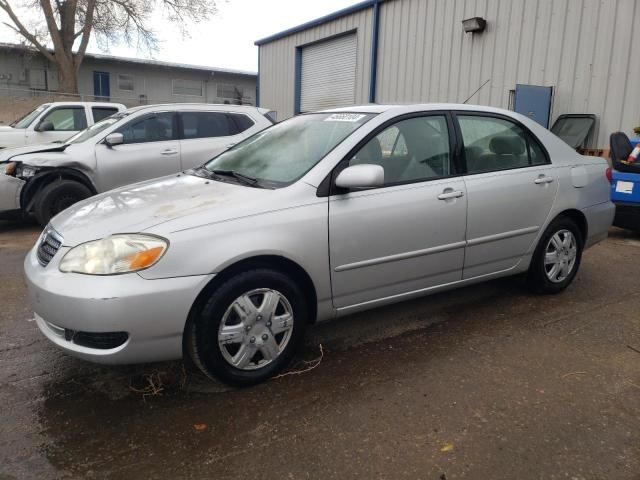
pixel 319 21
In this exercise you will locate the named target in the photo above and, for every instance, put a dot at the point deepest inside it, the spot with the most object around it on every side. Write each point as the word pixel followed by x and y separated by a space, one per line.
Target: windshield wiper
pixel 246 179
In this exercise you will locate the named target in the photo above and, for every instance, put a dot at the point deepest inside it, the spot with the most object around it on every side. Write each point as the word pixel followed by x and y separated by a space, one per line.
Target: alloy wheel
pixel 560 256
pixel 255 329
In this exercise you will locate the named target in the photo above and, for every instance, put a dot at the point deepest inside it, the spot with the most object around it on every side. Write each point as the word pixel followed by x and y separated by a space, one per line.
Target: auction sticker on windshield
pixel 344 117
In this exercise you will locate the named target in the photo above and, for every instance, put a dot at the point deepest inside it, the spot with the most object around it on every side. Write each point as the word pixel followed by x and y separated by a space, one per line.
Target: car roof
pixel 94 104
pixel 196 106
pixel 417 107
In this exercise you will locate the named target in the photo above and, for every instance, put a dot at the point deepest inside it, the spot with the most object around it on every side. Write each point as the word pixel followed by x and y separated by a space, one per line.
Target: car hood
pixel 8 153
pixel 138 207
pixel 6 128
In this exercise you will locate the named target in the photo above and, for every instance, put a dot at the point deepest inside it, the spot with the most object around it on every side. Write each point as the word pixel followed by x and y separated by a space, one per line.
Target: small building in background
pixel 28 79
pixel 541 58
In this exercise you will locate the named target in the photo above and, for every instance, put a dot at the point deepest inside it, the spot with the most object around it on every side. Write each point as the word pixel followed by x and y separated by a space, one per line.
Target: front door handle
pixel 449 193
pixel 542 179
pixel 169 151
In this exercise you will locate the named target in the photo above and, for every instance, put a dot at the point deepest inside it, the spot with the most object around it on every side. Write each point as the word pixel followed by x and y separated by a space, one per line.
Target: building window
pixel 125 82
pixel 187 87
pixel 231 92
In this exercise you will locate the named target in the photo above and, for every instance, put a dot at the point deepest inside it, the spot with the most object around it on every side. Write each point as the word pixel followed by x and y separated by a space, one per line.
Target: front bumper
pixel 10 188
pixel 152 312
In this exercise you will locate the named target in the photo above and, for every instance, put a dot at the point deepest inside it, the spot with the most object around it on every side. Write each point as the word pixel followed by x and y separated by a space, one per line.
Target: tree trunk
pixel 67 76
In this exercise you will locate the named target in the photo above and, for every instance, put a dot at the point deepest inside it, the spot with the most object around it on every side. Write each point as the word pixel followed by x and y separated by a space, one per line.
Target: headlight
pixel 8 168
pixel 25 171
pixel 115 254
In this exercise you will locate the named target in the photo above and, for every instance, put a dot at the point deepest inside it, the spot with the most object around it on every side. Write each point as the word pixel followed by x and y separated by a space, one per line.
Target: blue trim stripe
pixel 258 81
pixel 319 21
pixel 373 74
pixel 298 81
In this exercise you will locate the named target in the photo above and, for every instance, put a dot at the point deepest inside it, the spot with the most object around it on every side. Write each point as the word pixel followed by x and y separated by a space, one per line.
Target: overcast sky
pixel 227 39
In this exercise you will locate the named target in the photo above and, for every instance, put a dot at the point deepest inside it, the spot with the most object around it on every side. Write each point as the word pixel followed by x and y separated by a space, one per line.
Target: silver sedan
pixel 319 216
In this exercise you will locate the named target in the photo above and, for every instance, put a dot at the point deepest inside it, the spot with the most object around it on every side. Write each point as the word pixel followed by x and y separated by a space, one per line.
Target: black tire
pixel 537 277
pixel 57 196
pixel 202 334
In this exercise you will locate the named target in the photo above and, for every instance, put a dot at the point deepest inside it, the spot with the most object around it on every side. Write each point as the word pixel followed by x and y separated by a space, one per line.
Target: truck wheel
pixel 249 327
pixel 57 196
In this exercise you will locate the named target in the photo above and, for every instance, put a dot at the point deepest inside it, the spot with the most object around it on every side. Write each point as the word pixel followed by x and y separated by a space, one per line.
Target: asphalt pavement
pixel 485 382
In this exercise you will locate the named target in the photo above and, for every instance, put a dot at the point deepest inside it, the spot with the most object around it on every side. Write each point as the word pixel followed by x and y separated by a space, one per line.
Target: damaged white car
pixel 134 145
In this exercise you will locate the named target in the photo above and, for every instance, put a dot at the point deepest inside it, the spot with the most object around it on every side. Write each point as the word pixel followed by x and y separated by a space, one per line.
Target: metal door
pixel 327 74
pixel 535 102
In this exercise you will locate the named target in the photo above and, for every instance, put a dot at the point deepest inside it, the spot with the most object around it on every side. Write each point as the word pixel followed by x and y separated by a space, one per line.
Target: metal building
pixel 388 51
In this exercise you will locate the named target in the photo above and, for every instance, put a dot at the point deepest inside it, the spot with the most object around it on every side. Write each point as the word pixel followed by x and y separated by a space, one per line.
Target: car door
pixel 205 134
pixel 409 234
pixel 511 189
pixel 58 124
pixel 151 149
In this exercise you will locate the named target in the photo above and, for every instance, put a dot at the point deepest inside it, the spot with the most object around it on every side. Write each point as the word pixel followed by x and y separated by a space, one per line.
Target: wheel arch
pixel 273 262
pixel 580 220
pixel 45 177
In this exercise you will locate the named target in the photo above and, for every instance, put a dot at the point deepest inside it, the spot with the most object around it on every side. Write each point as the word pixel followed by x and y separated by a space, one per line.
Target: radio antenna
pixel 479 88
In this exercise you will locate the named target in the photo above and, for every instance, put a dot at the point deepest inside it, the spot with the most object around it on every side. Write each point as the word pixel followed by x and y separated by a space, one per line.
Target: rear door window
pixel 207 125
pixel 492 144
pixel 100 113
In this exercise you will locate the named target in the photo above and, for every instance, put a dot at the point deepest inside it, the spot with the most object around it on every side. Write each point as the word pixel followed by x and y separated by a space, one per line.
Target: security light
pixel 474 25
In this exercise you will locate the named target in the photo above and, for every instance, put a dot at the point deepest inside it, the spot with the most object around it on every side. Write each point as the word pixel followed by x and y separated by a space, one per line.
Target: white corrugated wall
pixel 583 48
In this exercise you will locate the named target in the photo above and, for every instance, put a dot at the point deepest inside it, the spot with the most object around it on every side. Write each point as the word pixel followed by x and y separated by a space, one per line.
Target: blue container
pixel 625 187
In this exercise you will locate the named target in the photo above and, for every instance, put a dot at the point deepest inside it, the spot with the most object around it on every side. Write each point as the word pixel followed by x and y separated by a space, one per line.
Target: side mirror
pixel 114 139
pixel 45 126
pixel 361 176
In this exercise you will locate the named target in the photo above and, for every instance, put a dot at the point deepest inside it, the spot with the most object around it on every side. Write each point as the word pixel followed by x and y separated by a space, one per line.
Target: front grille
pixel 49 246
pixel 102 341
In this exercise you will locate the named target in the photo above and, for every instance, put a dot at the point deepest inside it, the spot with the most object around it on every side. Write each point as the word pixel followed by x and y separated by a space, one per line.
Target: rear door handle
pixel 541 180
pixel 447 194
pixel 169 151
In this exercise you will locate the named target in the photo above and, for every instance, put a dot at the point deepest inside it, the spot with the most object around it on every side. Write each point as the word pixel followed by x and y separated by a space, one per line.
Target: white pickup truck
pixel 55 122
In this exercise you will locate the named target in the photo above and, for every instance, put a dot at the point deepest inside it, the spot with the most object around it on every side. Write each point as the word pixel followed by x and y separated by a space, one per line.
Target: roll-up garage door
pixel 328 74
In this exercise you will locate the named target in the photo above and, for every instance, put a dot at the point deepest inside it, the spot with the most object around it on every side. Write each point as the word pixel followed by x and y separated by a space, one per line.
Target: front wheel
pixel 249 328
pixel 57 196
pixel 557 257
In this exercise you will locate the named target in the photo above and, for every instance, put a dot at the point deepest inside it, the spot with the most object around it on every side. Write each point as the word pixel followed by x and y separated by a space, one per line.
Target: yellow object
pixel 447 447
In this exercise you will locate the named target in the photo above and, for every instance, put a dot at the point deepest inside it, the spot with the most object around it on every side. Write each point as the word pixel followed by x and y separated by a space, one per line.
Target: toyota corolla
pixel 319 216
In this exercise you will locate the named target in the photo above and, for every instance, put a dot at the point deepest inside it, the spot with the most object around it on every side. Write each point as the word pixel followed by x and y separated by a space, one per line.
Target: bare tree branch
pixel 20 28
pixel 86 33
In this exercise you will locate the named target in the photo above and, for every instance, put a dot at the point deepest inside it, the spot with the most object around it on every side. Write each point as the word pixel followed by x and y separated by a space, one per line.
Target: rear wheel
pixel 249 328
pixel 57 196
pixel 557 257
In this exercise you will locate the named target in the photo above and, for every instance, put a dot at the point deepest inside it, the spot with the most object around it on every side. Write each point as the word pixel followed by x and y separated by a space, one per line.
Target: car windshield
pixel 281 154
pixel 25 121
pixel 96 128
